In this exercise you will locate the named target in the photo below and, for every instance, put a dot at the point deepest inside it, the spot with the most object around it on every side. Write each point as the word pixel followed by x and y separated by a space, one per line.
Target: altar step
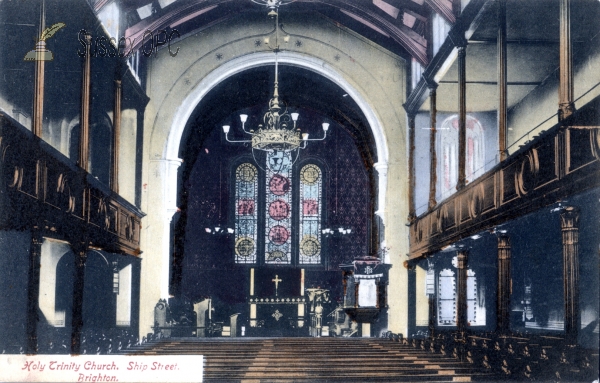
pixel 287 360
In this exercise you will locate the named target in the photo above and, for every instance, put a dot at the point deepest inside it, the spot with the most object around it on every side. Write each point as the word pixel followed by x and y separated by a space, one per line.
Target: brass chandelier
pixel 278 135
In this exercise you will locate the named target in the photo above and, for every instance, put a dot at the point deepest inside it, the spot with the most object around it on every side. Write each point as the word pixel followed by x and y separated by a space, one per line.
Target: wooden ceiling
pixel 398 25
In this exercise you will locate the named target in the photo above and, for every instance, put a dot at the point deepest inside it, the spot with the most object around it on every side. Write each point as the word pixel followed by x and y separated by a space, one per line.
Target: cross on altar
pixel 276 280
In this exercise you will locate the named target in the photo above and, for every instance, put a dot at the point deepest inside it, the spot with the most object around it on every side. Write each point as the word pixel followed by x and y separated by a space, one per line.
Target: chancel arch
pixel 171 108
pixel 277 232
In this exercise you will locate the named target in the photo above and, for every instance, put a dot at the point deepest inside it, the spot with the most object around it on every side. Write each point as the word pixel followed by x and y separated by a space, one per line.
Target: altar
pixel 276 303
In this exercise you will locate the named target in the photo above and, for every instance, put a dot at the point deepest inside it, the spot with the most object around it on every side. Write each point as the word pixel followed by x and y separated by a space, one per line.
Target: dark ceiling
pixel 398 25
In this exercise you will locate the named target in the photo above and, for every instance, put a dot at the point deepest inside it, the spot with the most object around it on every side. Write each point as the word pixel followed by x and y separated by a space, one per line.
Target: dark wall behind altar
pixel 208 268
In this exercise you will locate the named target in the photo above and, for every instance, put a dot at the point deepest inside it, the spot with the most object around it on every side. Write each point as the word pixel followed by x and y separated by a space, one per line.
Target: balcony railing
pixel 562 161
pixel 39 186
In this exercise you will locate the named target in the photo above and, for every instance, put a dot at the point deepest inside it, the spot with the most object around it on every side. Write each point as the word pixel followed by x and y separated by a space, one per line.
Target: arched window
pixel 100 143
pixel 291 235
pixel 278 231
pixel 475 152
pixel 311 188
pixel 246 191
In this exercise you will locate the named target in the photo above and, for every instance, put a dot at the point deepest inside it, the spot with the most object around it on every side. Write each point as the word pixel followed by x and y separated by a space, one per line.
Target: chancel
pixel 308 190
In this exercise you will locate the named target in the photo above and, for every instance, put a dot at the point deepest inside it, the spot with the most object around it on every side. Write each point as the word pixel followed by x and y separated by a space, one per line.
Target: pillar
pixel 432 152
pixel 139 155
pixel 431 300
pixel 566 107
pixel 412 299
pixel 84 122
pixel 504 285
pixel 114 173
pixel 569 222
pixel 432 315
pixel 33 289
pixel 461 291
pixel 462 113
pixel 502 81
pixel 38 94
pixel 411 168
pixel 80 250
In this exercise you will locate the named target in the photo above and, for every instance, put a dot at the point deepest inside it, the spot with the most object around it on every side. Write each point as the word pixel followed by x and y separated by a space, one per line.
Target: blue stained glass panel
pixel 311 188
pixel 246 186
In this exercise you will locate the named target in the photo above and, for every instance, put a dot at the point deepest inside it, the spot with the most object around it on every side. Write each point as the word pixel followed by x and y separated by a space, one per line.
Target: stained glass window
pixel 246 191
pixel 278 249
pixel 311 185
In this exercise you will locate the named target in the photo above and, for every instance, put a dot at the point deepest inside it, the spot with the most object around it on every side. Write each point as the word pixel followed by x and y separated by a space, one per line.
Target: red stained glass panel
pixel 279 210
pixel 279 185
pixel 245 207
pixel 310 207
pixel 279 235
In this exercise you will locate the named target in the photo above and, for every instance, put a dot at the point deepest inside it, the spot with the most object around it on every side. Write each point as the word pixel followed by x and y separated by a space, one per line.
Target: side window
pixel 311 189
pixel 246 190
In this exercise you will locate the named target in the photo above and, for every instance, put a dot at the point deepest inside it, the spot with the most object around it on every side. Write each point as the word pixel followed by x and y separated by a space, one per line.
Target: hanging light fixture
pixel 278 135
pixel 272 4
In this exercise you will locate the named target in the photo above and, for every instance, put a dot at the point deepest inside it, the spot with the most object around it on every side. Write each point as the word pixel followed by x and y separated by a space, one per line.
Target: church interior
pixel 364 180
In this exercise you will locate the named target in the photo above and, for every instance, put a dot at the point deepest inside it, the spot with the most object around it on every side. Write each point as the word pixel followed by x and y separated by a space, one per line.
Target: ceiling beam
pixel 441 9
pixel 407 5
pixel 415 44
pixel 100 4
pixel 515 41
pixel 136 32
pixel 524 83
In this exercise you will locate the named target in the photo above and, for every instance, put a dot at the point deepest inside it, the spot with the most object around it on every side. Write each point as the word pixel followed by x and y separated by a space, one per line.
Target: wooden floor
pixel 260 360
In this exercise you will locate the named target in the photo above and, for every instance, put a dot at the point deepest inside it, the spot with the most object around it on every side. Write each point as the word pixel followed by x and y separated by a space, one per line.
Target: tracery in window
pixel 310 214
pixel 278 249
pixel 475 152
pixel 246 191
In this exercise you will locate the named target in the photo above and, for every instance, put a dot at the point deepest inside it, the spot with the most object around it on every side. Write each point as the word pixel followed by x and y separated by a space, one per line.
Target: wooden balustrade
pixel 537 175
pixel 38 182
